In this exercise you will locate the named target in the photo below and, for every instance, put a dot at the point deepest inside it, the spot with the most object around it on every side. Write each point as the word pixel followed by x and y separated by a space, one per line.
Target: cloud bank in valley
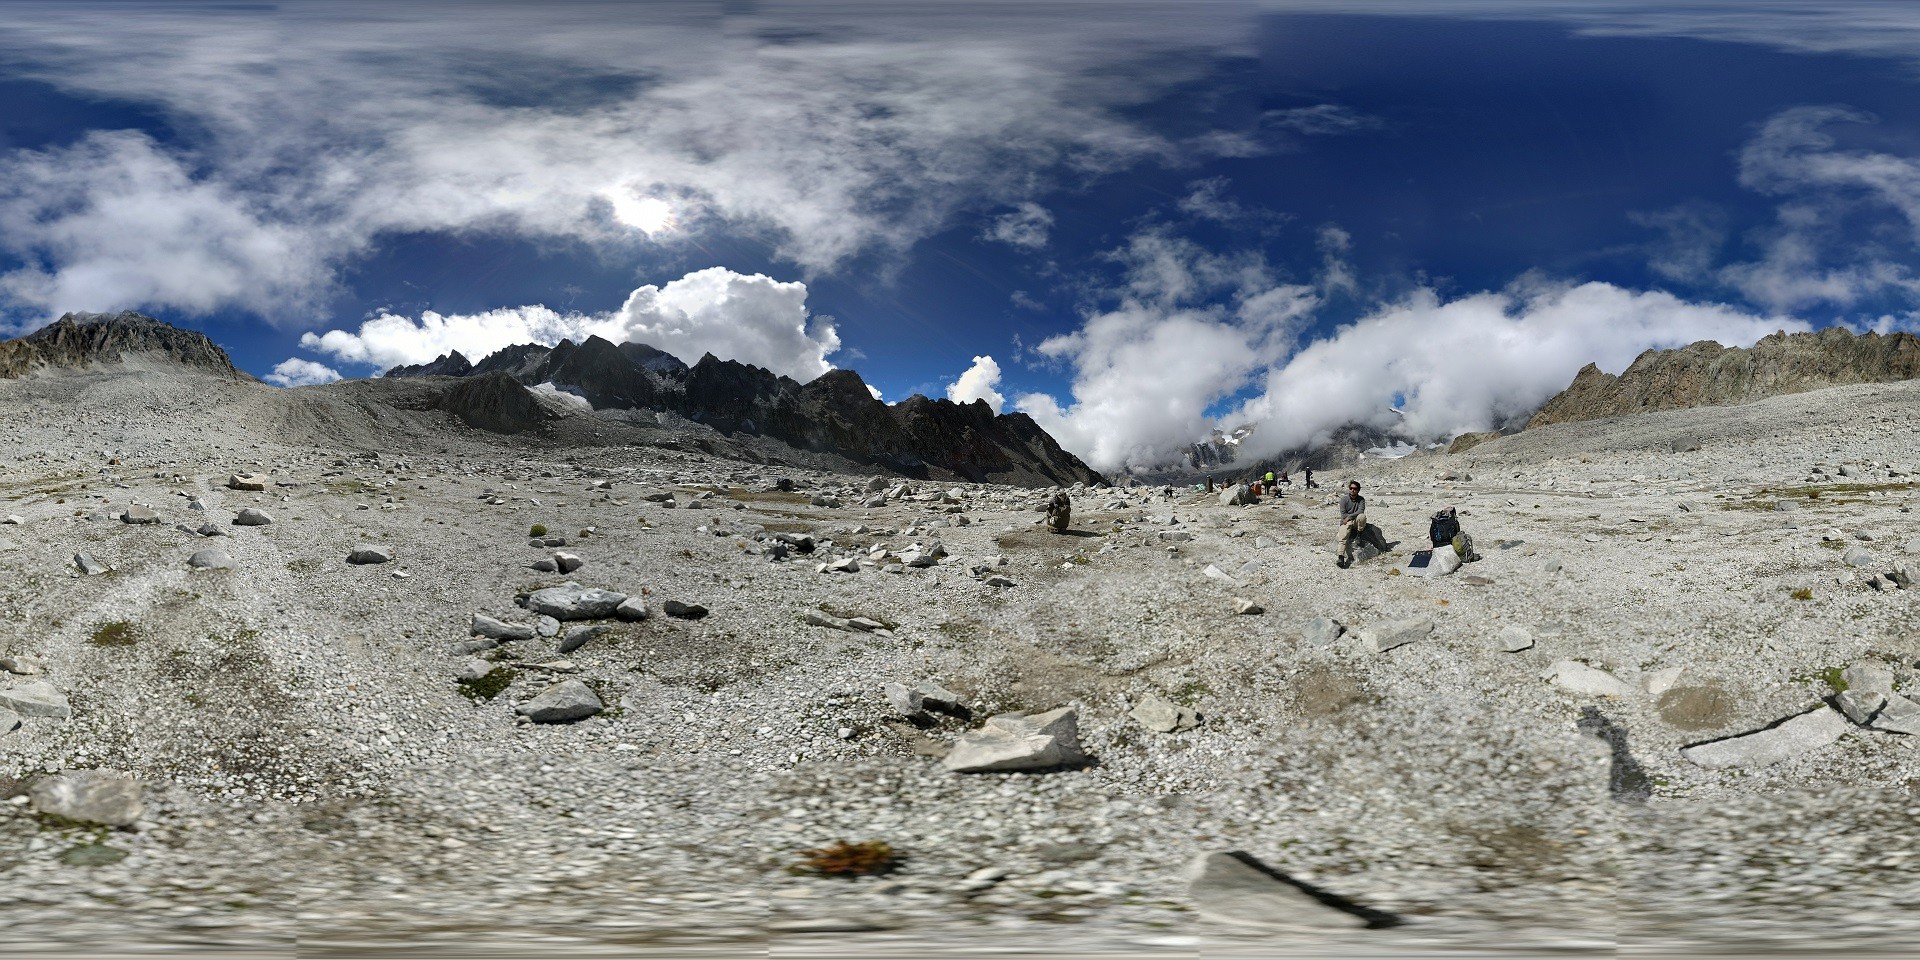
pixel 746 317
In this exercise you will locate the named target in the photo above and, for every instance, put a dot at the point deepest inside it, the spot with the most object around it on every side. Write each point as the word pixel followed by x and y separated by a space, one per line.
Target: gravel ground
pixel 316 779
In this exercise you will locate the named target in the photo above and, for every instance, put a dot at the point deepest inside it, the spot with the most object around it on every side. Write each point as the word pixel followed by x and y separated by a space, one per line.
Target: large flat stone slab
pixel 1013 741
pixel 1783 741
pixel 1226 889
pixel 1383 637
pixel 36 699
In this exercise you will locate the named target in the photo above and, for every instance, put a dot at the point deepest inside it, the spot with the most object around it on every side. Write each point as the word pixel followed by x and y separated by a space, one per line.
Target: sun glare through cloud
pixel 649 215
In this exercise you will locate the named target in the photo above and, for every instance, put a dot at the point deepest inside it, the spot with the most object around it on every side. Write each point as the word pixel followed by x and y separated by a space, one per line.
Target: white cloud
pixel 746 317
pixel 1026 226
pixel 1470 363
pixel 1189 329
pixel 876 393
pixel 308 132
pixel 295 372
pixel 979 382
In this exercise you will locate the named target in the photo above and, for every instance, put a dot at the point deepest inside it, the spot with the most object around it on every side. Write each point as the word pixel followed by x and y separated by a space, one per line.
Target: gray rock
pixel 1247 608
pixel 545 565
pixel 632 608
pixel 998 582
pixel 247 481
pixel 1857 557
pixel 1514 639
pixel 89 796
pixel 1860 706
pixel 250 517
pixel 197 505
pixel 209 529
pixel 1868 676
pixel 1901 575
pixel 1684 445
pixel 22 665
pixel 1321 631
pixel 1797 735
pixel 1785 506
pixel 578 637
pixel 1014 741
pixel 567 562
pixel 368 553
pixel 1161 715
pixel 1226 889
pixel 1238 495
pixel 473 669
pixel 36 699
pixel 823 500
pixel 485 626
pixel 13 519
pixel 210 560
pixel 1579 678
pixel 564 702
pixel 926 695
pixel 476 645
pixel 546 626
pixel 88 565
pixel 1900 715
pixel 9 722
pixel 1386 636
pixel 1175 536
pixel 572 601
pixel 876 484
pixel 139 514
pixel 683 611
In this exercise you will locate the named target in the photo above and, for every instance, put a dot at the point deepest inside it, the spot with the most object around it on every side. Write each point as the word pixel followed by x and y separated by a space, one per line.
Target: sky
pixel 1135 222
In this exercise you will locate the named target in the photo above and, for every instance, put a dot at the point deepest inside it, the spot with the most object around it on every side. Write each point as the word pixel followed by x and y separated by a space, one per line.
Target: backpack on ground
pixel 1463 545
pixel 1443 528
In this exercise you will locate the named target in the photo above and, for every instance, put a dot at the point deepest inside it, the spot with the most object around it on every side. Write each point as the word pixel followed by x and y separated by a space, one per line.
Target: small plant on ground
pixel 117 633
pixel 1832 676
pixel 538 530
pixel 1801 593
pixel 487 685
pixel 843 859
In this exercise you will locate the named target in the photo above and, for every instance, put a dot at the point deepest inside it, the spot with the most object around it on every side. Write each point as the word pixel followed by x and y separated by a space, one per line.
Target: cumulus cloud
pixel 303 134
pixel 876 393
pixel 1474 362
pixel 295 372
pixel 1188 330
pixel 979 382
pixel 746 317
pixel 1026 226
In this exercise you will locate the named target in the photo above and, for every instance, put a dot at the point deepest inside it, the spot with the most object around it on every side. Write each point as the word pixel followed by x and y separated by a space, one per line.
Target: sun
pixel 650 215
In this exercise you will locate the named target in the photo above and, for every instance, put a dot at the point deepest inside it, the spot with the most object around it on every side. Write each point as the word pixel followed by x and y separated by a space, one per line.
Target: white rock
pixel 1161 715
pixel 1013 741
pixel 36 699
pixel 89 796
pixel 1383 637
pixel 1514 639
pixel 1806 732
pixel 1579 678
pixel 1225 889
pixel 564 702
pixel 1660 681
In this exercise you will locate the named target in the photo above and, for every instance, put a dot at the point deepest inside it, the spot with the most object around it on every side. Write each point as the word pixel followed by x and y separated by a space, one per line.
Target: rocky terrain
pixel 834 414
pixel 1708 374
pixel 338 671
pixel 92 339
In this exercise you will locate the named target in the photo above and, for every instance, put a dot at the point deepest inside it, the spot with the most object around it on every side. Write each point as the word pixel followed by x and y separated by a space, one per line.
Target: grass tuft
pixel 117 633
pixel 843 859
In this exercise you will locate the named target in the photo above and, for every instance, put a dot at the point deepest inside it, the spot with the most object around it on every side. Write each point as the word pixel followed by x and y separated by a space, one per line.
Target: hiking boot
pixel 1342 562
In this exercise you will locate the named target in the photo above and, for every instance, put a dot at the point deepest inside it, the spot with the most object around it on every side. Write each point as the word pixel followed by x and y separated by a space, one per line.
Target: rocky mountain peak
pixel 80 340
pixel 1708 374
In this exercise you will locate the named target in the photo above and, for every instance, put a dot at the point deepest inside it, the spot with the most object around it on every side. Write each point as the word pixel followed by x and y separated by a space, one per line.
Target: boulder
pixel 1161 715
pixel 367 553
pixel 632 608
pixel 572 601
pixel 1783 741
pixel 1579 678
pixel 1227 889
pixel 1238 495
pixel 1857 557
pixel 210 560
pixel 9 722
pixel 1386 636
pixel 247 481
pixel 250 517
pixel 1015 741
pixel 89 796
pixel 926 695
pixel 1514 639
pixel 485 626
pixel 1868 676
pixel 564 702
pixel 36 699
pixel 683 611
pixel 1247 608
pixel 138 514
pixel 1321 631
pixel 567 562
pixel 578 637
pixel 1860 706
pixel 1900 715
pixel 22 665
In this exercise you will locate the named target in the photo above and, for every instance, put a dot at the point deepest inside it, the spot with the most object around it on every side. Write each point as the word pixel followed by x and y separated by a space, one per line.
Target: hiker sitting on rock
pixel 1353 525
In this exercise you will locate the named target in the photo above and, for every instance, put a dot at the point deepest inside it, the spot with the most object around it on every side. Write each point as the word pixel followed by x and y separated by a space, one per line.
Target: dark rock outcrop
pixel 494 402
pixel 1707 374
pixel 80 340
pixel 452 364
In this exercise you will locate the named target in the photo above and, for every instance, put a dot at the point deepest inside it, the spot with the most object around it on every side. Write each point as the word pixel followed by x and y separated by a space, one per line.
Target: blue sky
pixel 1135 222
